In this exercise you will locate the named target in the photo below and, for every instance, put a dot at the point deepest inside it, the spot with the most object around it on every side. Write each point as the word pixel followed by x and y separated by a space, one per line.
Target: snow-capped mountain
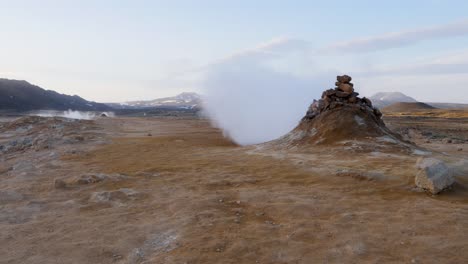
pixel 187 100
pixel 383 99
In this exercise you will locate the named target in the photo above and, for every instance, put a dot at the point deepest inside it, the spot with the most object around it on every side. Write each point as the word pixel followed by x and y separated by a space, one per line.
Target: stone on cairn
pixel 342 95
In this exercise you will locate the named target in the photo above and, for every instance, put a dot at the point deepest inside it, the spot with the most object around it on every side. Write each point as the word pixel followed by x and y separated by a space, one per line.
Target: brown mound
pixel 407 107
pixel 339 116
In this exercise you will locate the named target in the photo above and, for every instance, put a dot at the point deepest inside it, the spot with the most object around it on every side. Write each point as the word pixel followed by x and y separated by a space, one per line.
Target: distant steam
pixel 73 114
pixel 254 103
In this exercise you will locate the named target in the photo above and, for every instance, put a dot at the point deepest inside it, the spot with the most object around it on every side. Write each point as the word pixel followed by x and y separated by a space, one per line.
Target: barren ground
pixel 187 195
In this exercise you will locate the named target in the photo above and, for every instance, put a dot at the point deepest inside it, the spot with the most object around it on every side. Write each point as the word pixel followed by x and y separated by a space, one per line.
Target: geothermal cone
pixel 339 116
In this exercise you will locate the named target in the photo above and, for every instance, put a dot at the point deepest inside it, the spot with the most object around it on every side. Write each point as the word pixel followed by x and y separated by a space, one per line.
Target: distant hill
pixel 407 107
pixel 448 105
pixel 383 99
pixel 22 96
pixel 183 100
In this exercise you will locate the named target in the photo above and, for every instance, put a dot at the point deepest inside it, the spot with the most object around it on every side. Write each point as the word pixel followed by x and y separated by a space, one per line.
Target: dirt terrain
pixel 164 190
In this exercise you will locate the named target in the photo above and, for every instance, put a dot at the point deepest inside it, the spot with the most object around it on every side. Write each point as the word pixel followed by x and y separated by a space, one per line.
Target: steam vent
pixel 339 116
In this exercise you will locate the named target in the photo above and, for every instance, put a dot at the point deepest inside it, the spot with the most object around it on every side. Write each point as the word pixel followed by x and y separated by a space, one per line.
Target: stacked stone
pixel 342 95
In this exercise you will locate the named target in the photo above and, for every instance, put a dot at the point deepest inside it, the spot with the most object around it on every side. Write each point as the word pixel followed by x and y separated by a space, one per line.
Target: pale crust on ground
pixel 198 198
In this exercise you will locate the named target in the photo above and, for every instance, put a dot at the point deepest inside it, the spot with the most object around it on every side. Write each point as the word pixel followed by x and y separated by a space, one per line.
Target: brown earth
pixel 185 194
pixel 347 123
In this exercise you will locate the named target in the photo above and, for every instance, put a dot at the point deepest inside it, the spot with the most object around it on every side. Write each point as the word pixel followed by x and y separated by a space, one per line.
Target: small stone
pixel 60 184
pixel 460 149
pixel 149 135
pixel 346 87
pixel 342 94
pixel 377 112
pixel 344 79
pixel 328 93
pixel 90 178
pixel 238 202
pixel 367 101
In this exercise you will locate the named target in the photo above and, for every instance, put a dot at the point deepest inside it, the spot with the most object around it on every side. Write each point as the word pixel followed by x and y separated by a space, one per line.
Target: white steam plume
pixel 254 103
pixel 86 115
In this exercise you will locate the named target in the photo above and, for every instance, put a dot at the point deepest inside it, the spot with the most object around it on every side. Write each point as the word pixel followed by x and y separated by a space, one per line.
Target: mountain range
pixel 383 99
pixel 187 100
pixel 20 96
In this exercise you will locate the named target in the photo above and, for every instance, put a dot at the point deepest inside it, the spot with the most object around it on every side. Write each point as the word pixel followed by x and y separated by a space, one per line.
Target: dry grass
pixel 205 200
pixel 440 113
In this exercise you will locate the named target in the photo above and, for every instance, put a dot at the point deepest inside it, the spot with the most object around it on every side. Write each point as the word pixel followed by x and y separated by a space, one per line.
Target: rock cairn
pixel 342 95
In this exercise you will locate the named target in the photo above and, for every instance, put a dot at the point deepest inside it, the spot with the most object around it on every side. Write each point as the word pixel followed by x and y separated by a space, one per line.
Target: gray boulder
pixel 433 175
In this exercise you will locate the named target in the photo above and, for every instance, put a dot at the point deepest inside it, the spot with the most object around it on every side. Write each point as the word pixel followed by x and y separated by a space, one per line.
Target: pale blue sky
pixel 128 50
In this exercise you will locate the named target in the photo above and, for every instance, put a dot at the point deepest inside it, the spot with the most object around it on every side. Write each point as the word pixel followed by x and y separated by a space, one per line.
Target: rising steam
pixel 86 115
pixel 252 103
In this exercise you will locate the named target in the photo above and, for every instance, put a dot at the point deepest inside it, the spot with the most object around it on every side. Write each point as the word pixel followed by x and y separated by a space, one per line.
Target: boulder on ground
pixel 433 175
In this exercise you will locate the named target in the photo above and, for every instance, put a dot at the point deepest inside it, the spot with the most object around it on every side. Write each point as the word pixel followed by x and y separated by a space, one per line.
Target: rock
pixel 119 196
pixel 90 178
pixel 60 184
pixel 346 87
pixel 367 101
pixel 328 93
pixel 377 112
pixel 460 149
pixel 433 175
pixel 342 94
pixel 344 79
pixel 352 99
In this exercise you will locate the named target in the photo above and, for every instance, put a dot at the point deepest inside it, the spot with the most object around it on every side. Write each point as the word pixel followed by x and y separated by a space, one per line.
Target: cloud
pixel 420 69
pixel 446 64
pixel 430 88
pixel 398 39
pixel 276 48
pixel 436 79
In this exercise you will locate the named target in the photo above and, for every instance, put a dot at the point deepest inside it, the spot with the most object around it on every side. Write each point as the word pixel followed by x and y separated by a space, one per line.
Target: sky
pixel 114 51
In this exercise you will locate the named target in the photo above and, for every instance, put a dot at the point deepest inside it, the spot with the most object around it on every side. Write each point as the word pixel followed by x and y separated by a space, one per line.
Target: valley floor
pixel 161 190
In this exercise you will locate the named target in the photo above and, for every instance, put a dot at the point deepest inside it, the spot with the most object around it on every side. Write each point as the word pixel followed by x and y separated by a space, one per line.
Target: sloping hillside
pixel 448 105
pixel 19 96
pixel 407 107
